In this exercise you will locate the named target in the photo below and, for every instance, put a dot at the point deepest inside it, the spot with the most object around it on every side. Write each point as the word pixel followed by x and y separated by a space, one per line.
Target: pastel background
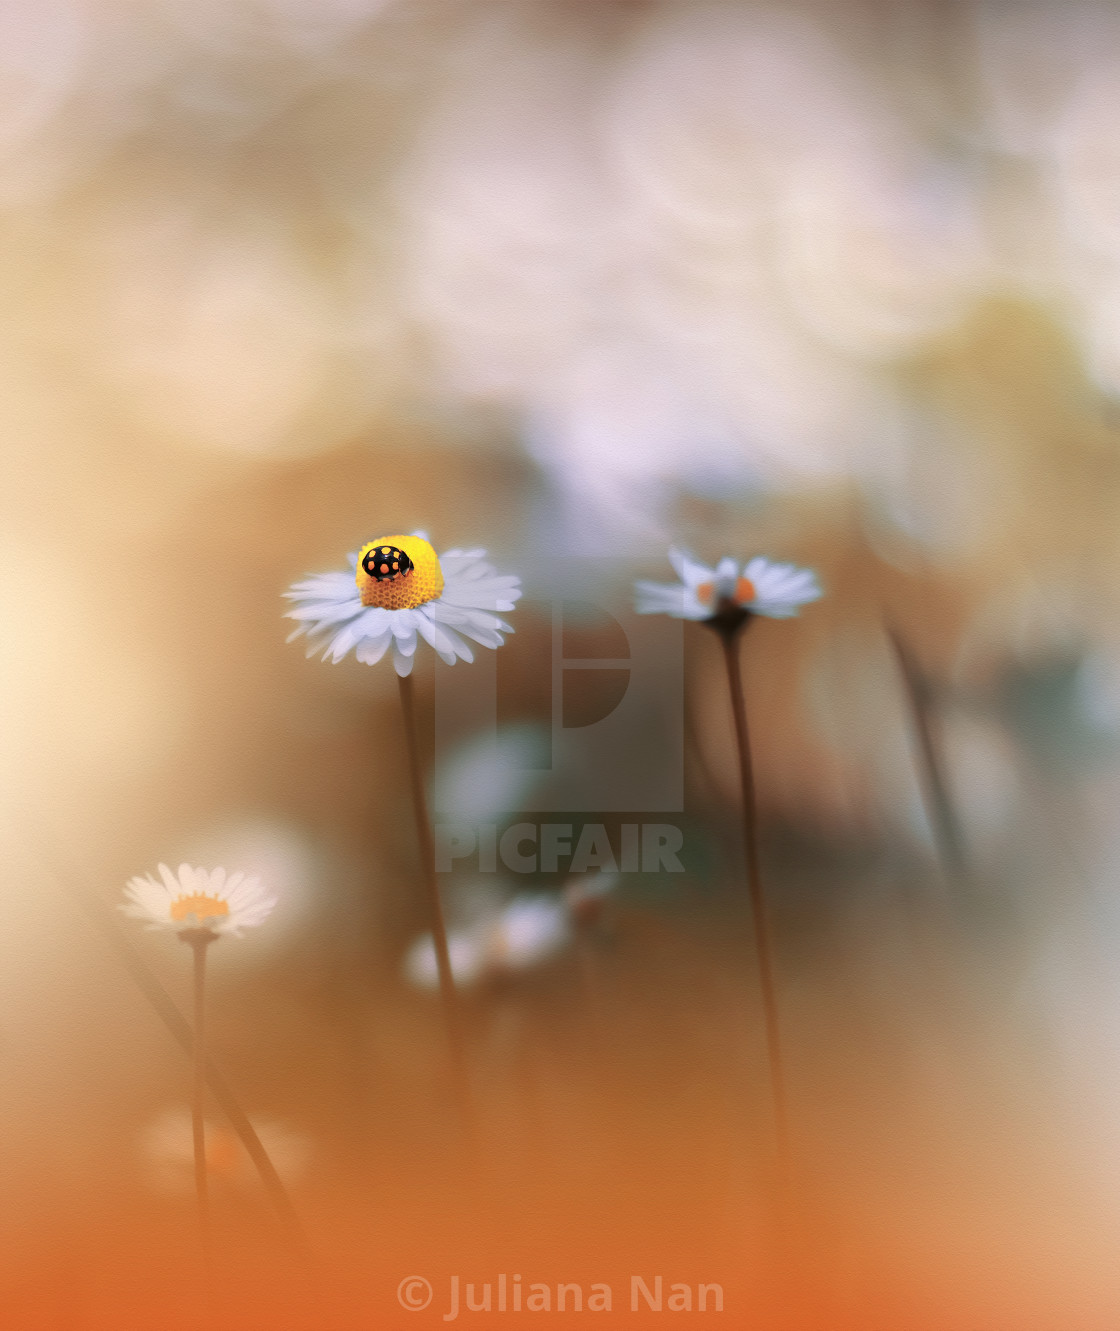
pixel 835 282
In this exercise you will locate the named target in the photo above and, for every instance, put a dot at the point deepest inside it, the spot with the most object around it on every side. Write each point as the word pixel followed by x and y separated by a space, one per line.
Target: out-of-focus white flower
pixel 491 774
pixel 464 950
pixel 198 899
pixel 762 588
pixel 401 591
pixel 530 929
pixel 166 1149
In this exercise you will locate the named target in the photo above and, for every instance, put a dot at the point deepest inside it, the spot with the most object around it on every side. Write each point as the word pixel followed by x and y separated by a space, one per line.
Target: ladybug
pixel 386 562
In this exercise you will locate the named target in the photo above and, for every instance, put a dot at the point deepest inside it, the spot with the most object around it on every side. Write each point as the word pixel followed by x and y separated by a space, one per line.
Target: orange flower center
pixel 743 594
pixel 200 906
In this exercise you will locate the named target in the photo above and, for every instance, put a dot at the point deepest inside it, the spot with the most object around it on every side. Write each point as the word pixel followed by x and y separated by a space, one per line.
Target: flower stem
pixel 448 996
pixel 935 787
pixel 199 940
pixel 729 637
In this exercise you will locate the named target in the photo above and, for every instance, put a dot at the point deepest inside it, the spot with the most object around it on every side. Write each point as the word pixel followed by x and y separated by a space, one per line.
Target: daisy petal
pixel 689 569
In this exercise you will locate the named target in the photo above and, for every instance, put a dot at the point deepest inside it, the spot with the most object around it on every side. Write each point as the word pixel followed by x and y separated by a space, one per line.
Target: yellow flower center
pixel 744 592
pixel 386 579
pixel 201 907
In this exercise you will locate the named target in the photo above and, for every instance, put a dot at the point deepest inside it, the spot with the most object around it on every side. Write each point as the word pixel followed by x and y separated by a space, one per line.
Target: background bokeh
pixel 835 282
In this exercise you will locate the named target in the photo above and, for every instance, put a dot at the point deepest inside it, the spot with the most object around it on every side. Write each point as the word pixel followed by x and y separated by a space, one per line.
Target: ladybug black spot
pixel 385 562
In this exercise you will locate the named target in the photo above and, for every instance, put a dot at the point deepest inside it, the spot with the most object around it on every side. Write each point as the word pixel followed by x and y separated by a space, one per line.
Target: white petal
pixel 780 588
pixel 404 632
pixel 371 623
pixel 688 568
pixel 458 646
pixel 479 587
pixel 454 562
pixel 478 624
pixel 241 889
pixel 661 598
pixel 437 638
pixel 370 650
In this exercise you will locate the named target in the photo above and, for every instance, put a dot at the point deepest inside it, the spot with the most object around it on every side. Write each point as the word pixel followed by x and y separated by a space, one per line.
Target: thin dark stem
pixel 200 939
pixel 448 996
pixel 730 640
pixel 935 787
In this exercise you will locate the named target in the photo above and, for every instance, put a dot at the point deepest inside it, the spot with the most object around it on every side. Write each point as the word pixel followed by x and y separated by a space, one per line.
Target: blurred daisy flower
pixel 726 598
pixel 196 899
pixel 529 929
pixel 761 587
pixel 401 591
pixel 166 1152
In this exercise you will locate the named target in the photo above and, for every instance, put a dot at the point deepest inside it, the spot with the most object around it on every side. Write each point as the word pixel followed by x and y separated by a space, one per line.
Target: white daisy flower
pixel 198 899
pixel 398 592
pixel 761 588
